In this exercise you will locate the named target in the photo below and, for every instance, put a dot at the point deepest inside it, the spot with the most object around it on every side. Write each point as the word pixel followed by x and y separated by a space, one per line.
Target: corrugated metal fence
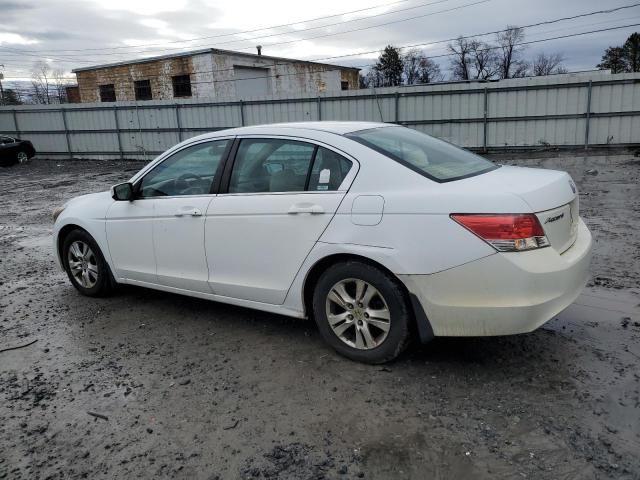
pixel 575 110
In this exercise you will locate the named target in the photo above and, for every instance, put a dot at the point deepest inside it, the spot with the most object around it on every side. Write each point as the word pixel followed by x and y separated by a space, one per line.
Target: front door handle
pixel 190 211
pixel 305 208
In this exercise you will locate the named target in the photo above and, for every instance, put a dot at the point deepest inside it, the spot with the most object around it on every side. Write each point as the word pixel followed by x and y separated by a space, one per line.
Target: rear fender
pixel 295 296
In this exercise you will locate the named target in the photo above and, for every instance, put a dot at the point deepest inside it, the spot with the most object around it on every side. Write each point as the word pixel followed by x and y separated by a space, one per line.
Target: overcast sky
pixel 63 31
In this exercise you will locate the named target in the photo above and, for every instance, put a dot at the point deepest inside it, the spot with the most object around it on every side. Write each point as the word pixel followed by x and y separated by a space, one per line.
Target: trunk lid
pixel 551 194
pixel 561 225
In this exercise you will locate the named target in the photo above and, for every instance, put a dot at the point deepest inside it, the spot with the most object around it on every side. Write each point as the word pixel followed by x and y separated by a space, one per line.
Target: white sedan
pixel 378 232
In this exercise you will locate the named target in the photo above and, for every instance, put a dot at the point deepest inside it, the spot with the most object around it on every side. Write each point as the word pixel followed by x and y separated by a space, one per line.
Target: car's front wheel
pixel 85 264
pixel 362 312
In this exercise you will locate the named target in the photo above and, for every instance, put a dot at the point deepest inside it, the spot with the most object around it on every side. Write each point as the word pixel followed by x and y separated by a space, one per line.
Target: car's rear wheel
pixel 85 265
pixel 362 312
pixel 22 157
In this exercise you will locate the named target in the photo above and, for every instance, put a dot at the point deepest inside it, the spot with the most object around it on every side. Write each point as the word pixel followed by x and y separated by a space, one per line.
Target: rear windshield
pixel 433 158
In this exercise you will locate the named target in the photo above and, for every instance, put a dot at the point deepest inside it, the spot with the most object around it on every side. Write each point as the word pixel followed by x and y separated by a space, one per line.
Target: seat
pixel 285 181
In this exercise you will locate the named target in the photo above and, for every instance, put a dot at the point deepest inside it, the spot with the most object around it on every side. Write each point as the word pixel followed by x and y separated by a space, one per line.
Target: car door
pixel 159 237
pixel 7 148
pixel 278 196
pixel 129 229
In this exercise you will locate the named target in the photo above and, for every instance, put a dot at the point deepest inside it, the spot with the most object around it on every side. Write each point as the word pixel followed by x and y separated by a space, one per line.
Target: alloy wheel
pixel 358 314
pixel 22 157
pixel 83 264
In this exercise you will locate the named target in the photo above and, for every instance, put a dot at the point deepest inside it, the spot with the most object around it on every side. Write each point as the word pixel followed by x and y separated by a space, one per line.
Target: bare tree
pixel 461 61
pixel 429 71
pixel 510 52
pixel 48 85
pixel 521 69
pixel 40 80
pixel 59 85
pixel 372 79
pixel 418 68
pixel 363 80
pixel 484 59
pixel 411 66
pixel 550 64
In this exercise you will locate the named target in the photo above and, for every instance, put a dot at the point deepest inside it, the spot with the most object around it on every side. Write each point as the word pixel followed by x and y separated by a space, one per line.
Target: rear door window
pixel 329 170
pixel 270 165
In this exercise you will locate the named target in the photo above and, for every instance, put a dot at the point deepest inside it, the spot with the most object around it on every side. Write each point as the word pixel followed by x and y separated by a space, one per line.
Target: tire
pixel 87 269
pixel 22 157
pixel 362 333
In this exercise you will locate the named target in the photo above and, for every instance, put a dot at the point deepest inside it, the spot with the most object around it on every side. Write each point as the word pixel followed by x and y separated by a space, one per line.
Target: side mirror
pixel 122 192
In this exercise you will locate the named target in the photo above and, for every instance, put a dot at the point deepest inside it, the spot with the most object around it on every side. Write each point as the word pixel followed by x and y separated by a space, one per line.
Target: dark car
pixel 14 150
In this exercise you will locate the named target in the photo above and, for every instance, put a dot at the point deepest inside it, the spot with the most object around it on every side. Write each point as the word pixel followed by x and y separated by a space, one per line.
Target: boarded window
pixel 107 93
pixel 251 82
pixel 181 86
pixel 344 85
pixel 143 89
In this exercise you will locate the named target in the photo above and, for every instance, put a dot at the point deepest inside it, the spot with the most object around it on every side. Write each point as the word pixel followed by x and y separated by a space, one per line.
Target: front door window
pixel 190 171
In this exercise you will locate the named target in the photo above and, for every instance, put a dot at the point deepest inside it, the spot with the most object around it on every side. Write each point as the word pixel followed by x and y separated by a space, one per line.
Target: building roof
pixel 215 51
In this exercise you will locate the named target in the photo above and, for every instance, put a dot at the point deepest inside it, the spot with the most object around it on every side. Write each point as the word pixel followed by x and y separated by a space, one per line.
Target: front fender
pixel 87 212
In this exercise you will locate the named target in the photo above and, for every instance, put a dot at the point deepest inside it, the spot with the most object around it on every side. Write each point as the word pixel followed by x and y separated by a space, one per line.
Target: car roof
pixel 304 129
pixel 338 128
pixel 333 127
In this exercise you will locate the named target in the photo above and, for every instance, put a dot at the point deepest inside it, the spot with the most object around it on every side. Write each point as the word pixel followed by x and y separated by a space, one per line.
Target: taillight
pixel 505 233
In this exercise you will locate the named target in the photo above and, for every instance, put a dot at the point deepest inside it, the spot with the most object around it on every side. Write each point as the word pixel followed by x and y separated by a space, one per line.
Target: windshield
pixel 433 158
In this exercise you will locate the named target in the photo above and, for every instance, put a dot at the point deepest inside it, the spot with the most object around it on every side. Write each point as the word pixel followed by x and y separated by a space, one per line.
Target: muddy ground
pixel 193 389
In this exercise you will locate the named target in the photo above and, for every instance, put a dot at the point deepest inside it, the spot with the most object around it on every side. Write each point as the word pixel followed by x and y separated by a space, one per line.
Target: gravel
pixel 184 388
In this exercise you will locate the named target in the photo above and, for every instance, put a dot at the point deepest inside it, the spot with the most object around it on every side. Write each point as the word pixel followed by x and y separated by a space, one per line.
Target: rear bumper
pixel 505 293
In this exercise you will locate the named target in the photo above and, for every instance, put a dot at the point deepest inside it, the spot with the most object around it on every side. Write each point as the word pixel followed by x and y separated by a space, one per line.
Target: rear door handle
pixel 188 211
pixel 306 208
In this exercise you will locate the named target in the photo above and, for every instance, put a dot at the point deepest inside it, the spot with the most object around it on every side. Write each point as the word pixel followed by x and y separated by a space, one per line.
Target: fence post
pixel 397 107
pixel 66 132
pixel 15 122
pixel 241 113
pixel 586 127
pixel 178 122
pixel 117 123
pixel 319 108
pixel 484 120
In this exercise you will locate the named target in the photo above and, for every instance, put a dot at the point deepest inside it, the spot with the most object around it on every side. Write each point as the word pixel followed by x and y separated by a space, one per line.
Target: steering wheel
pixel 182 182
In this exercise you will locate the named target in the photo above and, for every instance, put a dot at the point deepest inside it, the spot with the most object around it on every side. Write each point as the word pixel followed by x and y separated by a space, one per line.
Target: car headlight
pixel 57 211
